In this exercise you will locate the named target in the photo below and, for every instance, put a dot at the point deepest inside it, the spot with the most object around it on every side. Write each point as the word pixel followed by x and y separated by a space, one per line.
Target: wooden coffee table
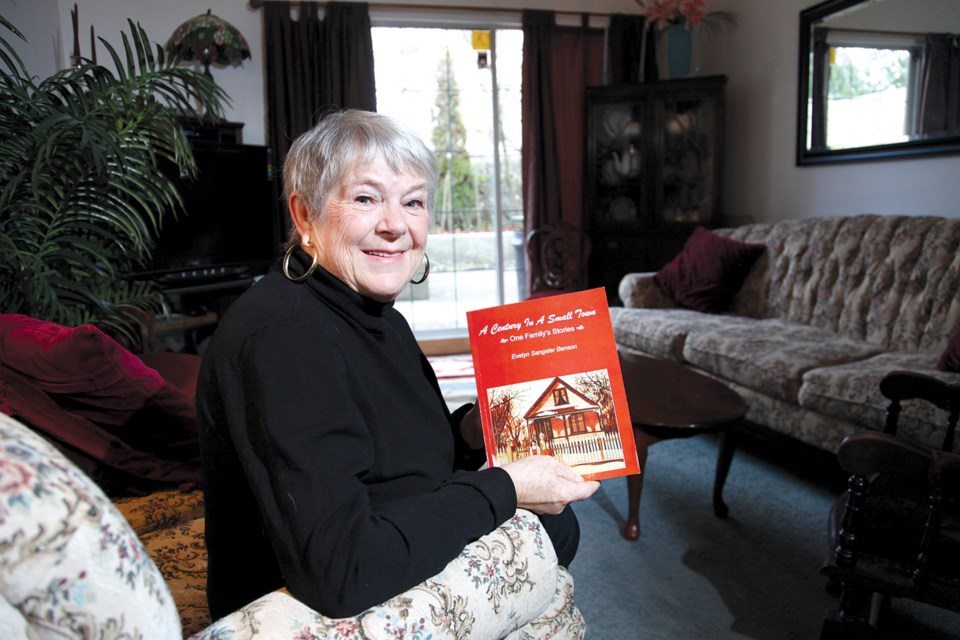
pixel 668 400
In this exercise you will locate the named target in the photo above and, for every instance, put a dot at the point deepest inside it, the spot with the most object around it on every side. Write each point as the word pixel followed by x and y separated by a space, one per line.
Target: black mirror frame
pixel 913 148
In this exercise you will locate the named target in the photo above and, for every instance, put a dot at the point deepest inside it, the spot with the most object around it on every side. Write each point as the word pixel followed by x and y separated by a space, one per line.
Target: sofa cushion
pixel 771 356
pixel 950 358
pixel 12 622
pixel 708 271
pixel 114 465
pixel 91 375
pixel 68 559
pixel 663 332
pixel 118 419
pixel 161 509
pixel 851 392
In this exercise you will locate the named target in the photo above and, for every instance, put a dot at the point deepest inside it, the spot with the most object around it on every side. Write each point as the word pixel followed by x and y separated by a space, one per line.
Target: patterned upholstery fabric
pixel 771 356
pixel 889 280
pixel 504 600
pixel 825 312
pixel 71 566
pixel 664 334
pixel 181 556
pixel 160 510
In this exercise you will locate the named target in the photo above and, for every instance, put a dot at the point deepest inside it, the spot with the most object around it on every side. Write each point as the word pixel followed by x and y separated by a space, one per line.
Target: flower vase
pixel 679 50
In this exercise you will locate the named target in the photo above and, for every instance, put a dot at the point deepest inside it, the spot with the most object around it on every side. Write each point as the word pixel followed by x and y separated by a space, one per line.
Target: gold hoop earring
pixel 286 266
pixel 426 270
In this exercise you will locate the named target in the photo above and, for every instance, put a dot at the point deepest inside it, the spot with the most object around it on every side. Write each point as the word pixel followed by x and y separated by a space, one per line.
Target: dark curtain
pixel 558 64
pixel 314 65
pixel 940 84
pixel 348 56
pixel 293 69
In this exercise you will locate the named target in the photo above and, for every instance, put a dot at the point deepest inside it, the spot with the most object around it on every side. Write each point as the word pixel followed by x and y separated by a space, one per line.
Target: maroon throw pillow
pixel 950 358
pixel 92 376
pixel 708 271
pixel 118 468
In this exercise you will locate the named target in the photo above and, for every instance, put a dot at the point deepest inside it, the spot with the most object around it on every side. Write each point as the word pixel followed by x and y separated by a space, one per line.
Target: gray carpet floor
pixel 755 574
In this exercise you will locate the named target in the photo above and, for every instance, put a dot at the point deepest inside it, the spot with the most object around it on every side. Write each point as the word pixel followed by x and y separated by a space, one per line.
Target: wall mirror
pixel 878 79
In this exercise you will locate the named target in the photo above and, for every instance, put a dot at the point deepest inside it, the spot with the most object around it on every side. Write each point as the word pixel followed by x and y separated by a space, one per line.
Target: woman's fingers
pixel 544 485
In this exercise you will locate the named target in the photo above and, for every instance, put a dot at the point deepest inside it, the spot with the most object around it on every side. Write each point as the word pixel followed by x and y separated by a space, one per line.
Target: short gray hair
pixel 320 160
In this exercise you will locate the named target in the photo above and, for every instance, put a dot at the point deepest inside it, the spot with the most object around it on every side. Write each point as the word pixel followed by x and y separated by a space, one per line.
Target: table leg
pixel 727 446
pixel 631 530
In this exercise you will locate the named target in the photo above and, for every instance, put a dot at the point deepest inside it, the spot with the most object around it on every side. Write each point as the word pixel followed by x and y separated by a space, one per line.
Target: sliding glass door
pixel 460 90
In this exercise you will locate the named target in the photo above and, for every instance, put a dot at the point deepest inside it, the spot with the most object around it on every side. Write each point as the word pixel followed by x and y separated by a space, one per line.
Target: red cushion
pixel 950 358
pixel 86 368
pixel 118 468
pixel 708 271
pixel 178 369
pixel 91 376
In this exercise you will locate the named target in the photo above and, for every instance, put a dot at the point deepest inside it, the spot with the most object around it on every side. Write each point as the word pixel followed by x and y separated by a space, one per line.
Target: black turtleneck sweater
pixel 329 456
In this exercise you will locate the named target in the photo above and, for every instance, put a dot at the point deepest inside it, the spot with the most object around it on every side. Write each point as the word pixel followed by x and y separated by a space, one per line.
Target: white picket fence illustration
pixel 603 447
pixel 588 449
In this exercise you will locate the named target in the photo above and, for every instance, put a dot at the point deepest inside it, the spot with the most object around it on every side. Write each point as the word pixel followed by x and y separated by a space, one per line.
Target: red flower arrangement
pixel 689 13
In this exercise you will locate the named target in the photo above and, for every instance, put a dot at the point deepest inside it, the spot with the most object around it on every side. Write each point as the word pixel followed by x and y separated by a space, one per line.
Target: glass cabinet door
pixel 690 147
pixel 654 153
pixel 618 163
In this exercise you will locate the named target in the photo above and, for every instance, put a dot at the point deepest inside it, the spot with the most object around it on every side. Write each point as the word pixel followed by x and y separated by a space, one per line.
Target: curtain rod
pixel 256 4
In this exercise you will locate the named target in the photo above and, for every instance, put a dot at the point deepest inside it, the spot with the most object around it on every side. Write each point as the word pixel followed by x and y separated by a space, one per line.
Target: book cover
pixel 548 382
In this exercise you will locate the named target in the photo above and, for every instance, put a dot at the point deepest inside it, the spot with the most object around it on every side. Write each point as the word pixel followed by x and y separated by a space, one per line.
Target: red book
pixel 549 383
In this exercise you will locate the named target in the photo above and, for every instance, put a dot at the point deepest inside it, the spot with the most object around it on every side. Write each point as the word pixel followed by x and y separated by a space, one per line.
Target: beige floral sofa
pixel 75 565
pixel 830 306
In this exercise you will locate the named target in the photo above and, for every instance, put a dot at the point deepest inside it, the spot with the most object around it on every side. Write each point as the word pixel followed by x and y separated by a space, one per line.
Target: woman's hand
pixel 544 485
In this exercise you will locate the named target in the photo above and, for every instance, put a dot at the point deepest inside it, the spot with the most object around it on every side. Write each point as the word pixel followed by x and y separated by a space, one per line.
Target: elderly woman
pixel 332 465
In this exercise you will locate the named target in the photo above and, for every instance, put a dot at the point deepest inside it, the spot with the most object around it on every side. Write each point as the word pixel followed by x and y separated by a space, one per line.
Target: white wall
pixel 762 181
pixel 37 21
pixel 759 58
pixel 49 28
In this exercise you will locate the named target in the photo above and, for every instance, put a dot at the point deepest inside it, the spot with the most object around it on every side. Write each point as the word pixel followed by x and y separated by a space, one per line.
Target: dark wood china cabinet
pixel 654 161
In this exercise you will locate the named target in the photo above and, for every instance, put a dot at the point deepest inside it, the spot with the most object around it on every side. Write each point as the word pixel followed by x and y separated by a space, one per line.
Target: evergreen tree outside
pixel 430 79
pixel 458 188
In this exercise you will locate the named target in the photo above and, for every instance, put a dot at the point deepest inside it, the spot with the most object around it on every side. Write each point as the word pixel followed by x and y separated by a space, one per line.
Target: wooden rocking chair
pixel 899 533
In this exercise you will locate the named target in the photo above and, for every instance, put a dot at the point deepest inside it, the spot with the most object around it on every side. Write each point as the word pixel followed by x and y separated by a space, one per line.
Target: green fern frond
pixel 83 186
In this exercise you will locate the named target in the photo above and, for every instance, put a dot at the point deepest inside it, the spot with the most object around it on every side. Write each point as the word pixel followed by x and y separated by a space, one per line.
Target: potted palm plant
pixel 83 190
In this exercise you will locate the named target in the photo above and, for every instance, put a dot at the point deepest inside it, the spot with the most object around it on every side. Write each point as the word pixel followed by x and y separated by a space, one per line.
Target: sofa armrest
pixel 70 565
pixel 506 584
pixel 638 290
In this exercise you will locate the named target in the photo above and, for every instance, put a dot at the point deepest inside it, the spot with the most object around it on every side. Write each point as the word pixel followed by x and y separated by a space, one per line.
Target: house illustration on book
pixel 561 413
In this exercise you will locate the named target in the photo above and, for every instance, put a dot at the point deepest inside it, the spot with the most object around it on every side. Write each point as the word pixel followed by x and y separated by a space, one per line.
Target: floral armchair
pixel 71 566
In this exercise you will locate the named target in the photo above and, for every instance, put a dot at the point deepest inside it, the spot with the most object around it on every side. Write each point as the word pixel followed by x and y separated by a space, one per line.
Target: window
pixel 464 102
pixel 871 88
pixel 576 424
pixel 560 396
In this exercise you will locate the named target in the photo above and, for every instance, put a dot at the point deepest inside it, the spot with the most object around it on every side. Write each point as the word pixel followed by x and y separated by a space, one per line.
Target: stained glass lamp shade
pixel 210 40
